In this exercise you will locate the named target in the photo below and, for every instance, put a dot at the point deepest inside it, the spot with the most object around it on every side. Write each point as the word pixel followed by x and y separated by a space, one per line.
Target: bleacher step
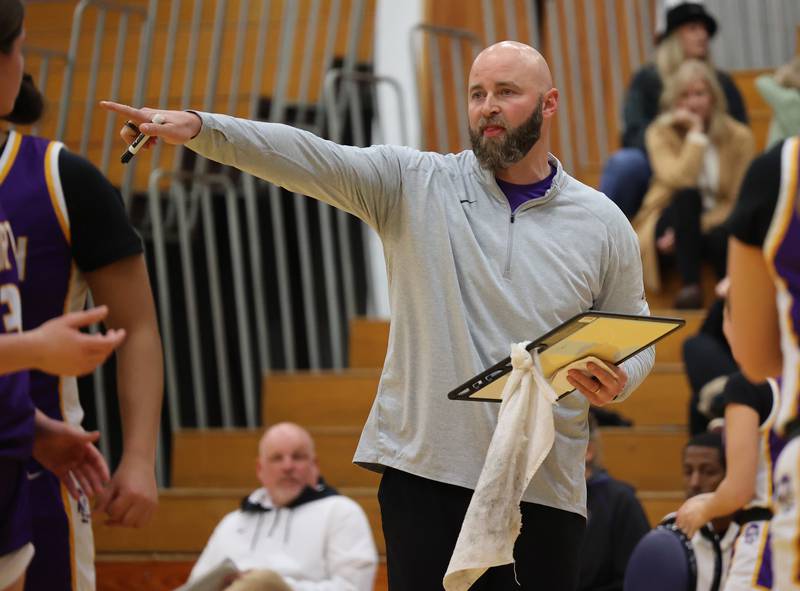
pixel 335 398
pixel 647 458
pixel 227 457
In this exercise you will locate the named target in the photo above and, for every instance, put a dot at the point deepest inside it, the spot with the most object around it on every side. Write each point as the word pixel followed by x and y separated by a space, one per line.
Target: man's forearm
pixel 637 367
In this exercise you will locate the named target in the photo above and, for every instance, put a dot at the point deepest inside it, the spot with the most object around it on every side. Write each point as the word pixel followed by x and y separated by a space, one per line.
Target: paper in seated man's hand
pixel 259 579
pixel 599 385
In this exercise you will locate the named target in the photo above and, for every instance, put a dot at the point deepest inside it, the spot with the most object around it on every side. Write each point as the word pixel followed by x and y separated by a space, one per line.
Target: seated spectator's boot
pixel 690 297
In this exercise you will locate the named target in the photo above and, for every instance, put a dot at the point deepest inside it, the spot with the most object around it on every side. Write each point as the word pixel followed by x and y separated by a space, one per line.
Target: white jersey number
pixel 9 298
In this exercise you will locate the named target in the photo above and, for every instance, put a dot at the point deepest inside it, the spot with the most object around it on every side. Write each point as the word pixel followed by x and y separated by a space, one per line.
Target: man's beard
pixel 509 148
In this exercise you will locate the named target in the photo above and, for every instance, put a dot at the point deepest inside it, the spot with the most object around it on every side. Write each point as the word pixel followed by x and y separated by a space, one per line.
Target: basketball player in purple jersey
pixel 75 236
pixel 56 346
pixel 765 297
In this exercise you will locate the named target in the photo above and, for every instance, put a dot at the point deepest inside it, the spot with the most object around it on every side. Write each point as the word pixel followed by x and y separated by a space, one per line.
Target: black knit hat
pixel 688 12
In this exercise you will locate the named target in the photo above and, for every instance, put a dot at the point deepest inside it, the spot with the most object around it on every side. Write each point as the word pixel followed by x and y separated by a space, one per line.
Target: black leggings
pixel 691 245
pixel 421 522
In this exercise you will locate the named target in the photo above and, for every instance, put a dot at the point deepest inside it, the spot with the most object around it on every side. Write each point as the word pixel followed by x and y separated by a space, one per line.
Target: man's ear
pixel 550 102
pixel 315 473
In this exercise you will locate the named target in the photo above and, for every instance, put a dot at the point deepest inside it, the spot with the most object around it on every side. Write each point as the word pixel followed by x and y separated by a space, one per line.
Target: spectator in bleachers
pixel 781 90
pixel 689 29
pixel 703 470
pixel 708 360
pixel 295 533
pixel 615 522
pixel 699 154
pixel 712 546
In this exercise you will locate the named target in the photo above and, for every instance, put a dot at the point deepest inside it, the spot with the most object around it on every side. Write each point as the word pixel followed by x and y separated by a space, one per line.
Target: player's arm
pixel 754 334
pixel 108 251
pixel 125 287
pixel 58 346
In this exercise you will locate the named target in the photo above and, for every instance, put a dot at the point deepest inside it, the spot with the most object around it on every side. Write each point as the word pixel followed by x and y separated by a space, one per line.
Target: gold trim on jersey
pixel 9 154
pixel 53 178
pixel 785 209
pixel 760 557
pixel 67 506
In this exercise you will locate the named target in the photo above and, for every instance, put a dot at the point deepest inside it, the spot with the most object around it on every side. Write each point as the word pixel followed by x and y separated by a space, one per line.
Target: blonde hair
pixel 670 55
pixel 688 72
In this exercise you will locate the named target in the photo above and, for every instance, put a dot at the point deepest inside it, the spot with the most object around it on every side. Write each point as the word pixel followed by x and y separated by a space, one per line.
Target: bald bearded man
pixel 490 246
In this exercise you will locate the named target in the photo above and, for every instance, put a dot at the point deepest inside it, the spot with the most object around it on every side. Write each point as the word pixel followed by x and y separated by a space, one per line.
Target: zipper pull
pixel 513 215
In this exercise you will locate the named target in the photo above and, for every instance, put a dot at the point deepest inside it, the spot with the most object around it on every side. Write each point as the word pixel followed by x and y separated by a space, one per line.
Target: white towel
pixel 522 439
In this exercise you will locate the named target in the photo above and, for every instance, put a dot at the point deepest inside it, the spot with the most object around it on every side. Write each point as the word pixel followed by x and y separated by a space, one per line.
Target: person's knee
pixel 625 179
pixel 629 163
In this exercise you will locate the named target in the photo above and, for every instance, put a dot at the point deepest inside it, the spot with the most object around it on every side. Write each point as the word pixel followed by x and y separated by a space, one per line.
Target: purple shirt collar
pixel 520 194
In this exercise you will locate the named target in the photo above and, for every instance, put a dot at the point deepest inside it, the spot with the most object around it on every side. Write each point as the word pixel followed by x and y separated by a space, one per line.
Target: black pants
pixel 691 245
pixel 421 522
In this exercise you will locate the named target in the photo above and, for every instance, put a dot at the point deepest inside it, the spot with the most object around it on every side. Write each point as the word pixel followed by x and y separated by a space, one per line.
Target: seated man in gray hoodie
pixel 295 533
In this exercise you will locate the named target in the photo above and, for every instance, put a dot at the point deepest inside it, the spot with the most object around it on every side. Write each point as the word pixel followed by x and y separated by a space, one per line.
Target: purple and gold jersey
pixel 16 409
pixel 782 253
pixel 50 283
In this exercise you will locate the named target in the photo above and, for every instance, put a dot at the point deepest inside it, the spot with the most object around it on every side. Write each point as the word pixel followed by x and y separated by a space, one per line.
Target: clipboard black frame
pixel 503 368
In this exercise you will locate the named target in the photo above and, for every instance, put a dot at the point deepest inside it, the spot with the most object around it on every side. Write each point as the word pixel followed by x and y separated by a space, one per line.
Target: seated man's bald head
pixel 530 61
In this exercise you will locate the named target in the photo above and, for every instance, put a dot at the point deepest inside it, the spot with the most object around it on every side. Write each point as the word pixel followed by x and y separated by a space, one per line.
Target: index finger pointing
pixel 136 115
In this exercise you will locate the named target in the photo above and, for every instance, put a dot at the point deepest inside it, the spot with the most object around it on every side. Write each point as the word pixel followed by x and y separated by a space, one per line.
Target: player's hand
pixel 62 349
pixel 178 126
pixel 601 386
pixel 68 451
pixel 694 514
pixel 131 498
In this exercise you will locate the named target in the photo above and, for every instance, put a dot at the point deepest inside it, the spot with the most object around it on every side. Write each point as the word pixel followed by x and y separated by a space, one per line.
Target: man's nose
pixel 490 106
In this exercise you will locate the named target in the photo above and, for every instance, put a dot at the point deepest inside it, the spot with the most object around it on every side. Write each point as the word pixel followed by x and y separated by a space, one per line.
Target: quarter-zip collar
pixel 487 179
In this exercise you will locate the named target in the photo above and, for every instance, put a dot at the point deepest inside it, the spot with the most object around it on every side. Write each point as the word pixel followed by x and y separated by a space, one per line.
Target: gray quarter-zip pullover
pixel 466 279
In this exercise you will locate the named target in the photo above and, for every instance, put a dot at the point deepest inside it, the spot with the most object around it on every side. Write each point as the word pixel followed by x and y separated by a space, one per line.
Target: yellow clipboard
pixel 608 336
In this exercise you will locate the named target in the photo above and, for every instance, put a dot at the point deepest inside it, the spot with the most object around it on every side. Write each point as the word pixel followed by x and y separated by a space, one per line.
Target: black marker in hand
pixel 140 141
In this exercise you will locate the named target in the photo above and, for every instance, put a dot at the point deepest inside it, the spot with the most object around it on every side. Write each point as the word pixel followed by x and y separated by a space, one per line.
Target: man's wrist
pixel 199 121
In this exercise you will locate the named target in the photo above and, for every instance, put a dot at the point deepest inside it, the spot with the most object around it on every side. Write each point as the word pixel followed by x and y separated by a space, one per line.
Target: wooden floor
pixel 213 469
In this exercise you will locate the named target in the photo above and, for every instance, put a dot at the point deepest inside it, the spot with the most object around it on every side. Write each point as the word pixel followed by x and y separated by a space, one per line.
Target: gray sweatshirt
pixel 466 279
